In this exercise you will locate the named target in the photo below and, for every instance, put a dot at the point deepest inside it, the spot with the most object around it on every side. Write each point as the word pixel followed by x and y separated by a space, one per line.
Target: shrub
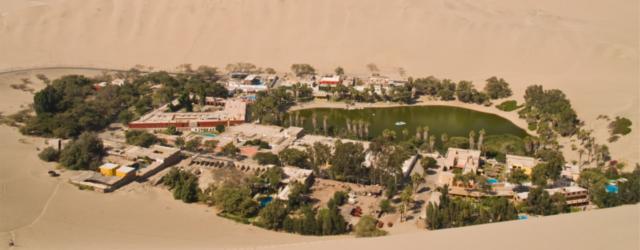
pixel 140 138
pixel 620 126
pixel 49 154
pixel 508 106
pixel 266 158
pixel 367 227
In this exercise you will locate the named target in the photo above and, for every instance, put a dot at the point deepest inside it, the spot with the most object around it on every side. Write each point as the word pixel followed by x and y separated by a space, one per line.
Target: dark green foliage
pixel 541 203
pixel 367 227
pixel 498 146
pixel 497 88
pixel 257 142
pixel 273 215
pixel 428 163
pixel 172 130
pixel 346 164
pixel 70 106
pixel 466 92
pixel 140 138
pixel 83 153
pixel 302 69
pixel 295 157
pixel 183 184
pixel 458 212
pixel 193 145
pixel 508 106
pixel 49 154
pixel 266 158
pixel 386 207
pixel 447 90
pixel 47 101
pixel 271 105
pixel 595 181
pixel 550 105
pixel 236 200
pixel 230 150
pixel 620 126
pixel 517 176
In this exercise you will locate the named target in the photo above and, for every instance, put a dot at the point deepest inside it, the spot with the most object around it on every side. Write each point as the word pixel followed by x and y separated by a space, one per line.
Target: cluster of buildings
pixel 469 161
pixel 214 112
pixel 126 163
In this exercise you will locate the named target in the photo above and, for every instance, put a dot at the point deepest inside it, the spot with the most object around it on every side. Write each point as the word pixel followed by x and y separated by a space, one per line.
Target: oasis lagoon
pixel 453 121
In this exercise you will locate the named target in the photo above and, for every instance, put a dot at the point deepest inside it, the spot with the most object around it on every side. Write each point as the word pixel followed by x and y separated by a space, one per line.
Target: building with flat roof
pixel 225 112
pixel 575 196
pixel 330 80
pixel 277 137
pixel 466 159
pixel 521 162
pixel 108 169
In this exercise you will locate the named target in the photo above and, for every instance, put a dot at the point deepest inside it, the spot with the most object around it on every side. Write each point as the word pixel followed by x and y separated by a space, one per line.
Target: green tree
pixel 294 157
pixel 140 138
pixel 230 150
pixel 266 158
pixel 517 176
pixel 193 145
pixel 84 153
pixel 497 88
pixel 273 215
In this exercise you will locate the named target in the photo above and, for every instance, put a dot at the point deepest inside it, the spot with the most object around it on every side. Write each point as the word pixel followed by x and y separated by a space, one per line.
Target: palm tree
pixel 419 133
pixel 580 152
pixel 472 135
pixel 432 142
pixel 481 139
pixel 314 122
pixel 405 133
pixel 324 124
pixel 444 138
pixel 425 133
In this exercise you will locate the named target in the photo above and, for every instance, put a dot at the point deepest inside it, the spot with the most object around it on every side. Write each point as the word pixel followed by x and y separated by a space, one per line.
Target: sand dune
pixel 589 49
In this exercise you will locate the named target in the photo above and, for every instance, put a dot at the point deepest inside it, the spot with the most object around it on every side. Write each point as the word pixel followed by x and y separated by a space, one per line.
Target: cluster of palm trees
pixel 359 128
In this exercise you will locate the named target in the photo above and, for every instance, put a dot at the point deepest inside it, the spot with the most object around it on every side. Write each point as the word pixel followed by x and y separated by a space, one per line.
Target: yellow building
pixel 125 172
pixel 108 169
pixel 521 162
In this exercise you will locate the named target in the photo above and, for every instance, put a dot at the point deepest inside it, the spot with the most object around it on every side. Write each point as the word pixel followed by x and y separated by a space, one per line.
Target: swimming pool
pixel 492 181
pixel 612 189
pixel 265 201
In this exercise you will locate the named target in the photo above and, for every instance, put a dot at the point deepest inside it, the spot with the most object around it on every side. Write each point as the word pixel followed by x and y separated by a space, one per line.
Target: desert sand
pixel 588 49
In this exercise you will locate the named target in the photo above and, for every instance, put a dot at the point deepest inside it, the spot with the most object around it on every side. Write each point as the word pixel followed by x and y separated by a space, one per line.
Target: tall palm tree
pixel 425 132
pixel 324 124
pixel 481 139
pixel 314 122
pixel 419 133
pixel 472 135
pixel 432 143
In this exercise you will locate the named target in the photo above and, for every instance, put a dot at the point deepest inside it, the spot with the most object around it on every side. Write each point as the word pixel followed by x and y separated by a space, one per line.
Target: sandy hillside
pixel 589 49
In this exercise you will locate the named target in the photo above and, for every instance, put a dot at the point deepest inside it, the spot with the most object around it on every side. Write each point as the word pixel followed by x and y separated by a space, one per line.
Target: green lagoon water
pixel 440 119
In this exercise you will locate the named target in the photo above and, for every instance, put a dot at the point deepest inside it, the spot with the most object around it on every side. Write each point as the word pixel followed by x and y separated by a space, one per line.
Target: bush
pixel 140 138
pixel 266 158
pixel 367 227
pixel 49 154
pixel 83 153
pixel 508 106
pixel 620 126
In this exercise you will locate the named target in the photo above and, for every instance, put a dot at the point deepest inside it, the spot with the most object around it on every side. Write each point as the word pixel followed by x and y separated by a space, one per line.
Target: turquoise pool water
pixel 265 201
pixel 492 181
pixel 612 189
